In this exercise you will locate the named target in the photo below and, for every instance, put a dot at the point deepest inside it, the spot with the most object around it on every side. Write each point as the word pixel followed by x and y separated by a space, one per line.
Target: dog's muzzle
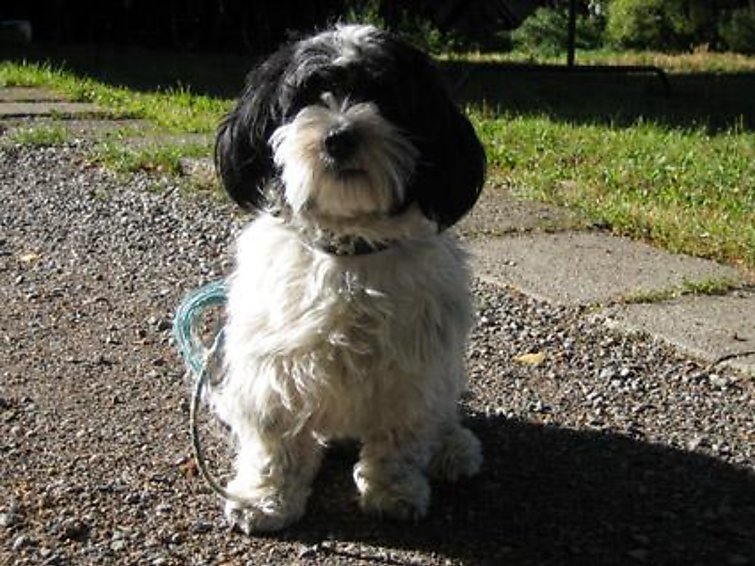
pixel 341 144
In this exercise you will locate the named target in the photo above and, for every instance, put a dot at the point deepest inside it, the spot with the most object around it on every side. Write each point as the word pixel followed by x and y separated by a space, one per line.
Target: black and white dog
pixel 349 307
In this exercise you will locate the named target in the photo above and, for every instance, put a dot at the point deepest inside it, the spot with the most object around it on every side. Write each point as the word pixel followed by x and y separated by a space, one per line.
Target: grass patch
pixel 688 191
pixel 40 135
pixel 176 109
pixel 697 61
pixel 709 287
pixel 153 158
pixel 173 110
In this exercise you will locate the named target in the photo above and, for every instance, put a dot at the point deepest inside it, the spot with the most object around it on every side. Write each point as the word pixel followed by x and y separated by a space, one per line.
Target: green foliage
pixel 660 24
pixel 364 12
pixel 545 32
pixel 691 21
pixel 737 30
pixel 636 24
pixel 414 28
pixel 422 33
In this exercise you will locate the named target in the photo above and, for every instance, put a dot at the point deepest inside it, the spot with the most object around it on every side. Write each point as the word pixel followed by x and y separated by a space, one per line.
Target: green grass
pixel 157 158
pixel 712 286
pixel 688 191
pixel 176 109
pixel 677 172
pixel 698 61
pixel 40 135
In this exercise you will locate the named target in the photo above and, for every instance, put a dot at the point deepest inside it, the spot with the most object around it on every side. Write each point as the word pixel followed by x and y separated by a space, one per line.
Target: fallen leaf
pixel 29 257
pixel 189 467
pixel 531 359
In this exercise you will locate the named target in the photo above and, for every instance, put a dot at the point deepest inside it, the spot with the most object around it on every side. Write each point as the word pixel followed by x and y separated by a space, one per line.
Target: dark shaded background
pixel 241 25
pixel 208 46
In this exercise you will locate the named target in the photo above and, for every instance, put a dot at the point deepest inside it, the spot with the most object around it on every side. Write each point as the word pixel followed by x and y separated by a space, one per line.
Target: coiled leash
pixel 200 362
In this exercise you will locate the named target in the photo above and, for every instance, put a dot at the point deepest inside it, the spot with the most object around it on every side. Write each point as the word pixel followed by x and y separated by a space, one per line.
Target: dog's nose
pixel 341 143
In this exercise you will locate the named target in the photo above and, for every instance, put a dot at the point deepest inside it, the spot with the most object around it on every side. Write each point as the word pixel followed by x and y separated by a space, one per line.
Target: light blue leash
pixel 190 346
pixel 200 361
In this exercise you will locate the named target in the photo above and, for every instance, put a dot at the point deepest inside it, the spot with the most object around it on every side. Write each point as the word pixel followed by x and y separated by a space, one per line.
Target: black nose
pixel 341 143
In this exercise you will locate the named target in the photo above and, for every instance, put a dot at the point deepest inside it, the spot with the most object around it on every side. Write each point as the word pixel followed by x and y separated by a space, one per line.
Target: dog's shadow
pixel 556 496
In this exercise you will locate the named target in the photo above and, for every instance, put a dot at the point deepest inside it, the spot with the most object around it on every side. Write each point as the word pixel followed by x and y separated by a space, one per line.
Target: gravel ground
pixel 612 450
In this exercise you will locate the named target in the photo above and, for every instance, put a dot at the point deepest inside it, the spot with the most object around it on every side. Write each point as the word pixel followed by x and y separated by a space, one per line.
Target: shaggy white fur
pixel 368 347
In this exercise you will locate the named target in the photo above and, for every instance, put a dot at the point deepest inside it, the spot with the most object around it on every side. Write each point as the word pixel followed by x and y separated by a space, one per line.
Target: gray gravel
pixel 612 450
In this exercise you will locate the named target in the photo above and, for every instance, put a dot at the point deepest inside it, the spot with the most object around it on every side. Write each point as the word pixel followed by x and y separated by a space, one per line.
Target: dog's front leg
pixel 390 475
pixel 273 479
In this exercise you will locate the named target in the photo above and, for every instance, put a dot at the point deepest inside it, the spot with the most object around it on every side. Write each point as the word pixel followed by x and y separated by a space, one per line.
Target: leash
pixel 201 361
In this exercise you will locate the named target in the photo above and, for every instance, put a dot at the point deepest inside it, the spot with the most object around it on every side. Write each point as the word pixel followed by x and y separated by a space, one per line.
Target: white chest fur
pixel 307 330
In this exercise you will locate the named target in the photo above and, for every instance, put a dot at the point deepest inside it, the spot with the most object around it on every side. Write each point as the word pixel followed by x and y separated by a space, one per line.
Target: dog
pixel 349 305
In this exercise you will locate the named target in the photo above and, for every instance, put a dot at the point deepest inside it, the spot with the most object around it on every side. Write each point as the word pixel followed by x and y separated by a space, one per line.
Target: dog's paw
pixel 263 508
pixel 261 516
pixel 251 519
pixel 404 498
pixel 459 455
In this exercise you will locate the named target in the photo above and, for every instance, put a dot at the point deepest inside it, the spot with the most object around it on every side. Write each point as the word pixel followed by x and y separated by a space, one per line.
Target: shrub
pixel 660 24
pixel 545 32
pixel 636 23
pixel 692 22
pixel 425 34
pixel 364 12
pixel 738 30
pixel 416 28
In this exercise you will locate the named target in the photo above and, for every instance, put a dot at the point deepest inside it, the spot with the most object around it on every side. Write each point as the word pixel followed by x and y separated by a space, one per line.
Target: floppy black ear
pixel 242 154
pixel 451 171
pixel 451 168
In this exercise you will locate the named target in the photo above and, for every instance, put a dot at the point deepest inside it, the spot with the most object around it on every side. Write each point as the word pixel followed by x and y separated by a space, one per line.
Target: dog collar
pixel 338 245
pixel 350 246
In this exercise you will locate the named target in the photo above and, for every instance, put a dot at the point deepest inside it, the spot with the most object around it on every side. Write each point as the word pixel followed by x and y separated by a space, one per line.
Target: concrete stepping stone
pixel 588 268
pixel 705 326
pixel 157 139
pixel 97 129
pixel 498 212
pixel 29 94
pixel 59 109
pixel 22 102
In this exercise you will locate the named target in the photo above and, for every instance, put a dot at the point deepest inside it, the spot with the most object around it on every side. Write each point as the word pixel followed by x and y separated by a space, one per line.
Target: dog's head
pixel 350 122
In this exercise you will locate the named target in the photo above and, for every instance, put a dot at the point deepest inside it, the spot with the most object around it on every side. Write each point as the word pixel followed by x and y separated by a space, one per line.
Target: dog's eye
pixel 336 79
pixel 306 94
pixel 310 90
pixel 313 84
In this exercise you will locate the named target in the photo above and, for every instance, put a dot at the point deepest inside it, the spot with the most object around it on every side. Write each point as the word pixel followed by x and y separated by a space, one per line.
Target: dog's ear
pixel 451 169
pixel 243 156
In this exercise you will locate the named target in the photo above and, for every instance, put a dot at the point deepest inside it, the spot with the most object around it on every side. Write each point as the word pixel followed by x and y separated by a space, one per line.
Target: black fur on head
pixel 372 66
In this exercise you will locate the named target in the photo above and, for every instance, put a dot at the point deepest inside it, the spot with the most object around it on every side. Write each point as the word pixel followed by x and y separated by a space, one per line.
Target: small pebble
pixel 21 541
pixel 117 545
pixel 9 519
